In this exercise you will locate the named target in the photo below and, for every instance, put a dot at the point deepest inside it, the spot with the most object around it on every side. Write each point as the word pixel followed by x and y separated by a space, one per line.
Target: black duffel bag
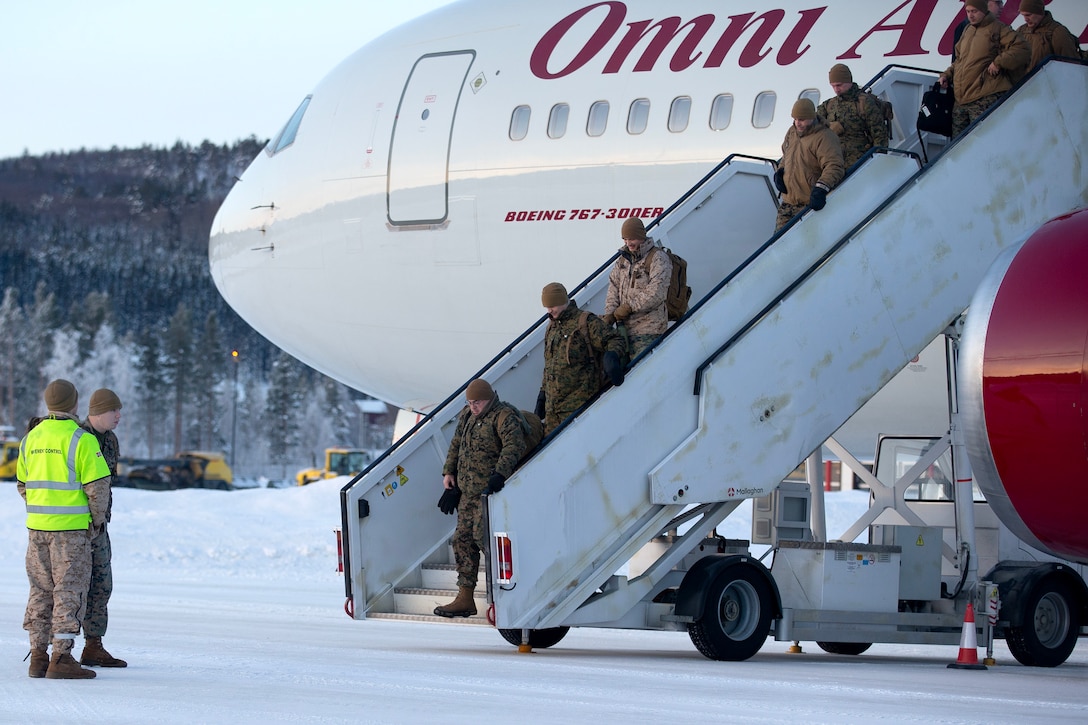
pixel 935 115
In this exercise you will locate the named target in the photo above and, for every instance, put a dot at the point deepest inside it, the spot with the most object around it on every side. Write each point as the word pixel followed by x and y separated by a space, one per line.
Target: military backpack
pixel 531 425
pixel 679 295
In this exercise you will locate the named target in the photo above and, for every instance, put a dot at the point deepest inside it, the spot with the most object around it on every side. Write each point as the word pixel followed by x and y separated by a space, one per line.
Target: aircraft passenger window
pixel 598 118
pixel 763 112
pixel 286 136
pixel 811 94
pixel 519 123
pixel 721 111
pixel 638 116
pixel 557 120
pixel 679 113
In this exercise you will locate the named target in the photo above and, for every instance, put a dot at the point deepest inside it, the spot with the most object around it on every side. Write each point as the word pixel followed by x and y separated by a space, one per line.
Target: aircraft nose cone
pixel 241 232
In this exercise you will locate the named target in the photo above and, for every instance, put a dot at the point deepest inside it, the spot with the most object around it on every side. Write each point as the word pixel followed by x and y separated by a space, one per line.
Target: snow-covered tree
pixel 87 316
pixel 177 365
pixel 64 363
pixel 208 372
pixel 151 388
pixel 12 359
pixel 282 411
pixel 252 455
pixel 38 345
pixel 342 414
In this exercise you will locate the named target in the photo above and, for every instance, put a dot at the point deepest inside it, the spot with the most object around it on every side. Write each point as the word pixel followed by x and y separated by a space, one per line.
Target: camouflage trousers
pixel 58 565
pixel 963 116
pixel 787 212
pixel 557 414
pixel 98 595
pixel 638 343
pixel 469 539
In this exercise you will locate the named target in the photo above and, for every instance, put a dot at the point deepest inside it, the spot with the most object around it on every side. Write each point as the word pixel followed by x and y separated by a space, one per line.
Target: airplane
pixel 396 232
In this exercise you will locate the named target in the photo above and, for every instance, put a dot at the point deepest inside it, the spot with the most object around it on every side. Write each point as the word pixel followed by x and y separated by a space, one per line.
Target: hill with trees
pixel 105 280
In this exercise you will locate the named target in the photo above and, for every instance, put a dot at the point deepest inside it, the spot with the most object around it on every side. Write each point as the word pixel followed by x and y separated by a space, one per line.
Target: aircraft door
pixel 417 191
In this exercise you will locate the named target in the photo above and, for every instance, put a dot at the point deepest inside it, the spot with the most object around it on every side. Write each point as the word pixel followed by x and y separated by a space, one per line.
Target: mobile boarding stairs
pixel 788 336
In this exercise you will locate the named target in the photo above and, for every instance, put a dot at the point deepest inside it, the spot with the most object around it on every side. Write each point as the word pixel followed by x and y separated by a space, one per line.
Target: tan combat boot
pixel 462 606
pixel 64 667
pixel 39 661
pixel 95 655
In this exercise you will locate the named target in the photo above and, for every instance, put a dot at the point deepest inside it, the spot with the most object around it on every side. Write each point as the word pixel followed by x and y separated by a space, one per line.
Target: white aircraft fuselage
pixel 396 235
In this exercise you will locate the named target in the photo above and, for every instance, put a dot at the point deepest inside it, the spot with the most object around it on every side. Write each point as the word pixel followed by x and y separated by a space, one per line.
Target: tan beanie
pixel 1035 7
pixel 554 295
pixel 803 109
pixel 61 396
pixel 840 73
pixel 103 400
pixel 977 5
pixel 479 389
pixel 633 228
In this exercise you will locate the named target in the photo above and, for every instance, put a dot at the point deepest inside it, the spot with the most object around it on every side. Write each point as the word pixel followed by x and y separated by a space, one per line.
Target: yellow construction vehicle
pixel 338 462
pixel 9 457
pixel 189 469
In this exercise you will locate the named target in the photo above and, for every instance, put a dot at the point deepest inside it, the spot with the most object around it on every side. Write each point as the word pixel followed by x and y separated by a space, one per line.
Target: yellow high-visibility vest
pixel 56 459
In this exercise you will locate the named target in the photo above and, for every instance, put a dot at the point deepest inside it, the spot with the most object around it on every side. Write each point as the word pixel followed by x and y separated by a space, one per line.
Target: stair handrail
pixel 455 396
pixel 846 237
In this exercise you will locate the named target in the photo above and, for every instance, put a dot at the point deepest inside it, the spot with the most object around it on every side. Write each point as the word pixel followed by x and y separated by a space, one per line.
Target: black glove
pixel 450 498
pixel 613 368
pixel 495 483
pixel 539 409
pixel 780 179
pixel 818 198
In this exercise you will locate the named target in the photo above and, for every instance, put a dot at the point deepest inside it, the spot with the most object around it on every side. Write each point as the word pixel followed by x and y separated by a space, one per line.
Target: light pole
pixel 234 412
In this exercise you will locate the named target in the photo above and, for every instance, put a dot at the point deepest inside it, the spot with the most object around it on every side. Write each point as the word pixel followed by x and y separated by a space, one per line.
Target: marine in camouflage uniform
pixel 637 287
pixel 990 58
pixel 479 451
pixel 811 164
pixel 103 412
pixel 62 510
pixel 1045 35
pixel 572 374
pixel 856 117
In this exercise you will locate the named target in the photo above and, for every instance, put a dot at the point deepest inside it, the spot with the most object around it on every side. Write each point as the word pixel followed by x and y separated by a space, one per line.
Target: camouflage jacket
pixel 808 158
pixel 479 448
pixel 858 120
pixel 641 285
pixel 572 373
pixel 111 451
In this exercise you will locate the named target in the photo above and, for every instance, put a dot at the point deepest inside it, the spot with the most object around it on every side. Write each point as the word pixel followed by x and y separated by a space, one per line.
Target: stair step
pixel 423 601
pixel 477 620
pixel 444 576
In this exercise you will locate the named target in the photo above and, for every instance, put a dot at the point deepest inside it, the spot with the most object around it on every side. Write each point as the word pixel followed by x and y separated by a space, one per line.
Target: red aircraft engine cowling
pixel 1024 387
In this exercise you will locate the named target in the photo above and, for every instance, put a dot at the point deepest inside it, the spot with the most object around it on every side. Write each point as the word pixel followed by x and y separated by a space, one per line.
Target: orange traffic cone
pixel 968 657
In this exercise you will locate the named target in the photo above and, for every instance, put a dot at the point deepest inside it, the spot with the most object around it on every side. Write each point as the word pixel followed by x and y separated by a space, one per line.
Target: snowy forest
pixel 104 272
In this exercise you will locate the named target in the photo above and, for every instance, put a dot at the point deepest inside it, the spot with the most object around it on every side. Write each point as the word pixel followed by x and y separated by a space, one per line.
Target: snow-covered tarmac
pixel 228 609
